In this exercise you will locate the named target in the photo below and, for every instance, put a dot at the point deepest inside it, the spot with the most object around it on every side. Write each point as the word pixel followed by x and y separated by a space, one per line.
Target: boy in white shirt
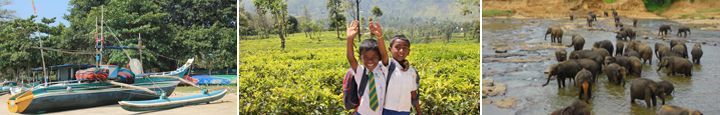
pixel 402 84
pixel 373 57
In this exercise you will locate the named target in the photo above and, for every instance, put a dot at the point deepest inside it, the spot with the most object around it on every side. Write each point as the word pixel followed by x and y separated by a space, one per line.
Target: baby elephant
pixel 696 53
pixel 683 32
pixel 615 73
pixel 582 79
pixel 646 89
pixel 577 108
pixel 577 42
pixel 556 34
pixel 561 55
pixel 676 110
pixel 667 87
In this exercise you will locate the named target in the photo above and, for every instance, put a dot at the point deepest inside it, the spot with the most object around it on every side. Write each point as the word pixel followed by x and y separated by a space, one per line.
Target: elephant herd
pixel 619 61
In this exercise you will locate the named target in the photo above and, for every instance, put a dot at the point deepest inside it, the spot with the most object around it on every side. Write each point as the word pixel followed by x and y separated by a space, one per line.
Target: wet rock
pixel 490 88
pixel 506 103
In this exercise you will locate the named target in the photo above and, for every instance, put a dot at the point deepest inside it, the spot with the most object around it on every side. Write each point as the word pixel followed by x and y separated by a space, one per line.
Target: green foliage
pixel 492 12
pixel 293 25
pixel 278 8
pixel 306 77
pixel 376 11
pixel 160 24
pixel 657 6
pixel 335 15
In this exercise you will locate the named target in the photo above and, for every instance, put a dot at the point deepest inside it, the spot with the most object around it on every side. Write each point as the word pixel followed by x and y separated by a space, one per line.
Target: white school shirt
pixel 398 95
pixel 379 77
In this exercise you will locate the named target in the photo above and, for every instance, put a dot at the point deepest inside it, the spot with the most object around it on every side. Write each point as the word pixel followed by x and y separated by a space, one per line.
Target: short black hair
pixel 399 37
pixel 369 45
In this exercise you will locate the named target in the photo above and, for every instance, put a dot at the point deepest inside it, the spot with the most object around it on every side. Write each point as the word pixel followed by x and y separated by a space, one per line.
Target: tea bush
pixel 306 77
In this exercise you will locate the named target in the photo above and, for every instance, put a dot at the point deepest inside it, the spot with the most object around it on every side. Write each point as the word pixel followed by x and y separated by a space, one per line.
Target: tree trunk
pixel 338 33
pixel 282 32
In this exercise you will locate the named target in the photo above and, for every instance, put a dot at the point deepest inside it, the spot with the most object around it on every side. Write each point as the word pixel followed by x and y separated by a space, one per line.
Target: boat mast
pixel 42 52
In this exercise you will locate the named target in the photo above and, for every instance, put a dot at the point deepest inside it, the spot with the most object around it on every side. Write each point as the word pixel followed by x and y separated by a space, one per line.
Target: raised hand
pixel 352 29
pixel 375 29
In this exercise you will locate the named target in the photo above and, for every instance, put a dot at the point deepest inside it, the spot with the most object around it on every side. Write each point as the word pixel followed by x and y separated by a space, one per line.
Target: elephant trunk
pixel 548 80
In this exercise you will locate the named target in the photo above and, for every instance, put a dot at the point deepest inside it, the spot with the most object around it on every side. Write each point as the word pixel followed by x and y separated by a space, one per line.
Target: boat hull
pixel 167 103
pixel 58 98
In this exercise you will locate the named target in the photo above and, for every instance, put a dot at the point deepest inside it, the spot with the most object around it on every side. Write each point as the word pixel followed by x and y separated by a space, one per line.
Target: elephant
pixel 563 70
pixel 664 30
pixel 589 21
pixel 605 44
pixel 619 48
pixel 577 108
pixel 676 110
pixel 556 34
pixel 577 42
pixel 615 73
pixel 680 50
pixel 561 55
pixel 587 54
pixel 675 64
pixel 677 42
pixel 606 14
pixel 590 65
pixel 583 79
pixel 683 32
pixel 632 64
pixel 696 53
pixel 635 23
pixel 615 13
pixel 631 53
pixel 602 52
pixel 625 34
pixel 667 87
pixel 645 89
pixel 645 53
pixel 618 24
pixel 636 65
pixel 661 50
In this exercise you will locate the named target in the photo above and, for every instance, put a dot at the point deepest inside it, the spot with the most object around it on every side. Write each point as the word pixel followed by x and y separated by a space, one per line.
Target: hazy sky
pixel 45 8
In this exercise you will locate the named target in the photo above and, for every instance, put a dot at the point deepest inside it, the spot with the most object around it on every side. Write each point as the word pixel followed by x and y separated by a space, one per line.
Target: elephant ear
pixel 551 68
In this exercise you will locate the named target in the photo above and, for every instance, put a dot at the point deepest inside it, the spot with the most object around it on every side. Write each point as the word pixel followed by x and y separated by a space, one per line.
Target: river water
pixel 524 79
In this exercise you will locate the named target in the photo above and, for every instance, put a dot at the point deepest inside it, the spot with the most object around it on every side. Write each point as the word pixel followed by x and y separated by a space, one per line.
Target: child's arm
pixel 352 31
pixel 376 30
pixel 416 101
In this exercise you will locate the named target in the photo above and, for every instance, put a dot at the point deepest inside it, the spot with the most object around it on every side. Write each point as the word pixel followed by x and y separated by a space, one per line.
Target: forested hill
pixel 401 9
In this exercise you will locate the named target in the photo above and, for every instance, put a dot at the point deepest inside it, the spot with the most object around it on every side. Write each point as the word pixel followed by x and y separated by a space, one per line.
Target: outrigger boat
pixel 75 94
pixel 109 84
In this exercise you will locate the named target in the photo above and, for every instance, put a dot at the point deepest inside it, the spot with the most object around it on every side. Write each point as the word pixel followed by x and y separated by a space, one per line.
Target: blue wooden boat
pixel 74 94
pixel 210 80
pixel 167 103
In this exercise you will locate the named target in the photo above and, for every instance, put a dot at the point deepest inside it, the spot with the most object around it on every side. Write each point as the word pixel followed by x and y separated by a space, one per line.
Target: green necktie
pixel 373 93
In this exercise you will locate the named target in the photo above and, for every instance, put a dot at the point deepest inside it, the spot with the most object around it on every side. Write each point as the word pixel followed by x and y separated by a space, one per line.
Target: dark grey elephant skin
pixel 577 108
pixel 676 65
pixel 677 110
pixel 577 42
pixel 696 53
pixel 645 89
pixel 563 70
pixel 583 81
pixel 615 73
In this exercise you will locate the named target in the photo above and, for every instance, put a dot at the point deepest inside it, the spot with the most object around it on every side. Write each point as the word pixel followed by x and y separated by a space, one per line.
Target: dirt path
pixel 225 106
